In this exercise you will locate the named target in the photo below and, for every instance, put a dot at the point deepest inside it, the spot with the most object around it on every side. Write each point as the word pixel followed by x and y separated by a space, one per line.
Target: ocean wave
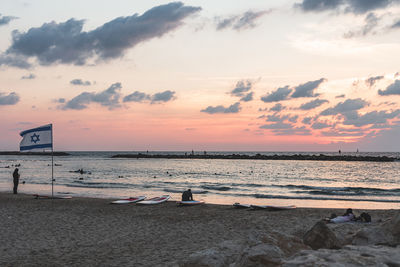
pixel 325 198
pixel 103 185
pixel 342 191
pixel 248 185
pixel 216 187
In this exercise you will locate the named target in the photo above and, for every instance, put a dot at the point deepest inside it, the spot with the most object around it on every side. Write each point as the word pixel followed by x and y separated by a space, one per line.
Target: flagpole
pixel 52 164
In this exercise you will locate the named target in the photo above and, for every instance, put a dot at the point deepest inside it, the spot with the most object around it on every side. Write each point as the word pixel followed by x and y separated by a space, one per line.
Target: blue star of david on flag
pixel 37 138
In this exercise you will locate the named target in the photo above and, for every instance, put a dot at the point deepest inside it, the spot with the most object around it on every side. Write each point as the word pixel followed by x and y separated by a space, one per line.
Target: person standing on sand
pixel 187 195
pixel 16 180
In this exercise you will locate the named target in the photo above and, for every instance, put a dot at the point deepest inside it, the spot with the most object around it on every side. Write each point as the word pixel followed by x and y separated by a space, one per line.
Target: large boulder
pixel 321 236
pixel 387 233
pixel 223 255
pixel 288 244
pixel 347 256
pixel 261 255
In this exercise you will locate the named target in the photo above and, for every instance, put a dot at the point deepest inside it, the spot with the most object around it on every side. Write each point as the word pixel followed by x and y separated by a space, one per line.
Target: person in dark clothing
pixel 187 195
pixel 16 180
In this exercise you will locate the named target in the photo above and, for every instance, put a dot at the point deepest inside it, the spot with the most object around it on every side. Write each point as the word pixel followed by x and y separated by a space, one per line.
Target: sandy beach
pixel 92 232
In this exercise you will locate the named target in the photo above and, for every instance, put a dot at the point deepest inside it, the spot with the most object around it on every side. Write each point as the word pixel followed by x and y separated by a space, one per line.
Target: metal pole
pixel 52 164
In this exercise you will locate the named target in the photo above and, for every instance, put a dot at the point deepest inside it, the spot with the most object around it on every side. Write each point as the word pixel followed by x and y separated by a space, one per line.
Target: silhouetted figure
pixel 187 195
pixel 16 180
pixel 340 152
pixel 81 171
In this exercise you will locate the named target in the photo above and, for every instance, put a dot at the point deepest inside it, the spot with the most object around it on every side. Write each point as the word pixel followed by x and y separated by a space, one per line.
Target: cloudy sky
pixel 276 75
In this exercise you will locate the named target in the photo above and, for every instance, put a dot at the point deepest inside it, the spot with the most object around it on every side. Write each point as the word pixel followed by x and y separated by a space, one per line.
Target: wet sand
pixel 92 232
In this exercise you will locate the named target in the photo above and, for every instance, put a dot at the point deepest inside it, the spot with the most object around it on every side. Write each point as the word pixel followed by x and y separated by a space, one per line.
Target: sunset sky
pixel 276 75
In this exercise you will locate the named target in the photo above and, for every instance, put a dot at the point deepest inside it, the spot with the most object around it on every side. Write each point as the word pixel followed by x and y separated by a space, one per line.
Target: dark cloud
pixel 294 131
pixel 108 98
pixel 17 61
pixel 248 97
pixel 396 25
pixel 31 76
pixel 10 99
pixel 341 133
pixel 320 125
pixel 281 93
pixel 277 108
pixel 277 126
pixel 275 118
pixel 354 6
pixel 313 104
pixel 346 106
pixel 371 22
pixel 241 88
pixel 293 119
pixel 80 82
pixel 235 108
pixel 137 97
pixel 307 120
pixel 240 22
pixel 318 5
pixel 282 128
pixel 373 117
pixel 307 89
pixel 393 89
pixel 372 80
pixel 163 97
pixel 141 97
pixel 66 42
pixel 340 96
pixel 4 20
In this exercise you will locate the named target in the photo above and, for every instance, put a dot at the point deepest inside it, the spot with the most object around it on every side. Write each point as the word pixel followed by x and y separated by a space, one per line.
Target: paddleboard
pixel 241 206
pixel 155 200
pixel 272 208
pixel 50 197
pixel 128 200
pixel 190 202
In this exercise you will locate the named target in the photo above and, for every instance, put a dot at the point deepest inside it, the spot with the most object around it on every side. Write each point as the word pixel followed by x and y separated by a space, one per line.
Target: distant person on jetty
pixel 16 180
pixel 187 195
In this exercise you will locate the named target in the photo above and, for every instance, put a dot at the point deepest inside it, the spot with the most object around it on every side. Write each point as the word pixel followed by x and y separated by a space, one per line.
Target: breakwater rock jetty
pixel 319 157
pixel 17 153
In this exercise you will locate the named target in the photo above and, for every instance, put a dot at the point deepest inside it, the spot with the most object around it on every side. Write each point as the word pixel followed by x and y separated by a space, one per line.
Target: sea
pixel 304 183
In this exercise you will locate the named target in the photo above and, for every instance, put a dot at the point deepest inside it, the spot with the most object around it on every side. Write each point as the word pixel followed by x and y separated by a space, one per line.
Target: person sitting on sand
pixel 187 195
pixel 347 217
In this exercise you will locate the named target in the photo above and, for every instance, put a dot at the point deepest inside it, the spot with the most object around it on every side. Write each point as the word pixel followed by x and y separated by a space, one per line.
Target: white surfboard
pixel 190 202
pixel 129 200
pixel 155 200
pixel 273 208
pixel 241 206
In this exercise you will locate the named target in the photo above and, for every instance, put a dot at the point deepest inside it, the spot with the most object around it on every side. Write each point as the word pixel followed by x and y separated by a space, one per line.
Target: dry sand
pixel 91 232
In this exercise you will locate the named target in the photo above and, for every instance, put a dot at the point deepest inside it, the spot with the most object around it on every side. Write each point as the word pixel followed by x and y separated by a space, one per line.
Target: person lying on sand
pixel 347 217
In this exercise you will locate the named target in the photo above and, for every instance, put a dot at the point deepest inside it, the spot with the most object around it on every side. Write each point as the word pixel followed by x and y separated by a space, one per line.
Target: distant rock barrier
pixel 320 157
pixel 17 153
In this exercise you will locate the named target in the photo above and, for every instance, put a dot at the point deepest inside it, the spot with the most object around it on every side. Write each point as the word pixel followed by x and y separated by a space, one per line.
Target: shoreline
pixel 90 231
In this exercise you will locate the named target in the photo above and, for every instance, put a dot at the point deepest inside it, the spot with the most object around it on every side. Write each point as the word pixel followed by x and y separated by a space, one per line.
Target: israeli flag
pixel 36 138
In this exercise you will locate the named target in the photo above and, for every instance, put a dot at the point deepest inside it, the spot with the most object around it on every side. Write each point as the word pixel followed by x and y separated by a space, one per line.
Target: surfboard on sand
pixel 129 200
pixel 272 208
pixel 155 200
pixel 241 206
pixel 190 203
pixel 37 196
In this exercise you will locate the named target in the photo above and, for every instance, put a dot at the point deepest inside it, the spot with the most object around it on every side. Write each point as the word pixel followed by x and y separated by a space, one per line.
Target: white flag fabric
pixel 36 138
